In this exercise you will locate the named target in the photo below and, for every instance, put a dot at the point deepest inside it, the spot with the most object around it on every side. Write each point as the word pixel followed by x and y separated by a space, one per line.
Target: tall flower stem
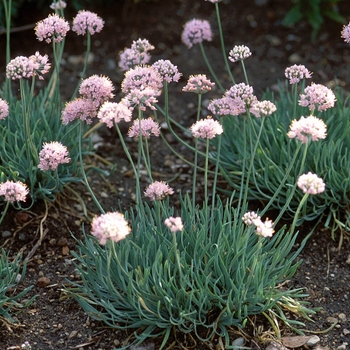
pixel 4 211
pixel 222 43
pixel 245 72
pixel 7 7
pixel 217 81
pixel 296 215
pixel 177 257
pixel 83 170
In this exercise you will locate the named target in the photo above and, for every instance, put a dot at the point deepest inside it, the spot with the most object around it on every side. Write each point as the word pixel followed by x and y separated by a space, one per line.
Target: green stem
pixel 245 72
pixel 8 8
pixel 177 257
pixel 4 211
pixel 301 204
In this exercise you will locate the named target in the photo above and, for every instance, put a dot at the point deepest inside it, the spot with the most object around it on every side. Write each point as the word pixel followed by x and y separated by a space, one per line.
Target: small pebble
pixel 313 340
pixel 331 319
pixel 342 317
pixel 43 282
pixel 6 234
pixel 238 343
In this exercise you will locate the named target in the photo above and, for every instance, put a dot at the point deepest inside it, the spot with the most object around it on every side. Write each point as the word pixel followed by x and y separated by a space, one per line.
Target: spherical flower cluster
pixel 80 108
pixel 20 67
pixel 249 218
pixel 214 1
pixel 51 155
pixel 167 70
pixel 4 109
pixel 317 96
pixel 52 28
pixel 263 108
pixel 345 33
pixel 308 128
pixel 264 229
pixel 112 112
pixel 96 88
pixel 174 224
pixel 296 73
pixel 227 106
pixel 310 183
pixel 86 21
pixel 158 190
pixel 195 31
pixel 136 55
pixel 148 127
pixel 41 64
pixel 143 98
pixel 199 84
pixel 239 53
pixel 206 128
pixel 244 92
pixel 111 226
pixel 58 5
pixel 140 78
pixel 14 191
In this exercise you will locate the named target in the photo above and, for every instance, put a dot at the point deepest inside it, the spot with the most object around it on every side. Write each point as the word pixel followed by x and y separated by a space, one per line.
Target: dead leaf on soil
pixel 295 342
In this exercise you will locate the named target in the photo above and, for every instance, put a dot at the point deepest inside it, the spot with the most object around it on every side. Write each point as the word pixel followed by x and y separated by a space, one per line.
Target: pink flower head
pixel 244 92
pixel 206 128
pixel 20 67
pixel 141 78
pixel 195 31
pixel 345 33
pixel 14 191
pixel 41 64
pixel 319 96
pixel 86 21
pixel 227 106
pixel 239 53
pixel 174 224
pixel 263 108
pixel 96 88
pixel 167 70
pixel 51 155
pixel 158 190
pixel 214 1
pixel 249 218
pixel 199 84
pixel 296 73
pixel 264 229
pixel 311 183
pixel 148 127
pixel 58 5
pixel 52 28
pixel 308 128
pixel 136 55
pixel 143 98
pixel 112 112
pixel 79 108
pixel 111 226
pixel 4 109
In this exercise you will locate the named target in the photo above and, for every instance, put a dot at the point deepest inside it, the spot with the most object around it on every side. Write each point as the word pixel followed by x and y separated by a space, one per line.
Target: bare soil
pixel 54 321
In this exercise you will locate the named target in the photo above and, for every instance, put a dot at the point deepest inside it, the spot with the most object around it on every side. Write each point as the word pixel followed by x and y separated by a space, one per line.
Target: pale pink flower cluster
pixel 296 73
pixel 14 191
pixel 26 67
pixel 345 33
pixel 308 128
pixel 80 108
pixel 53 28
pixel 239 53
pixel 317 96
pixel 51 155
pixel 244 92
pixel 214 1
pixel 199 84
pixel 227 106
pixel 111 226
pixel 263 108
pixel 96 88
pixel 141 85
pixel 4 109
pixel 167 70
pixel 158 190
pixel 264 229
pixel 196 31
pixel 174 224
pixel 113 112
pixel 148 127
pixel 206 128
pixel 136 55
pixel 86 21
pixel 58 5
pixel 311 183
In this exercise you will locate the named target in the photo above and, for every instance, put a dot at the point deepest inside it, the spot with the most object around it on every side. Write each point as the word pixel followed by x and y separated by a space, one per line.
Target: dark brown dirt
pixel 54 321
